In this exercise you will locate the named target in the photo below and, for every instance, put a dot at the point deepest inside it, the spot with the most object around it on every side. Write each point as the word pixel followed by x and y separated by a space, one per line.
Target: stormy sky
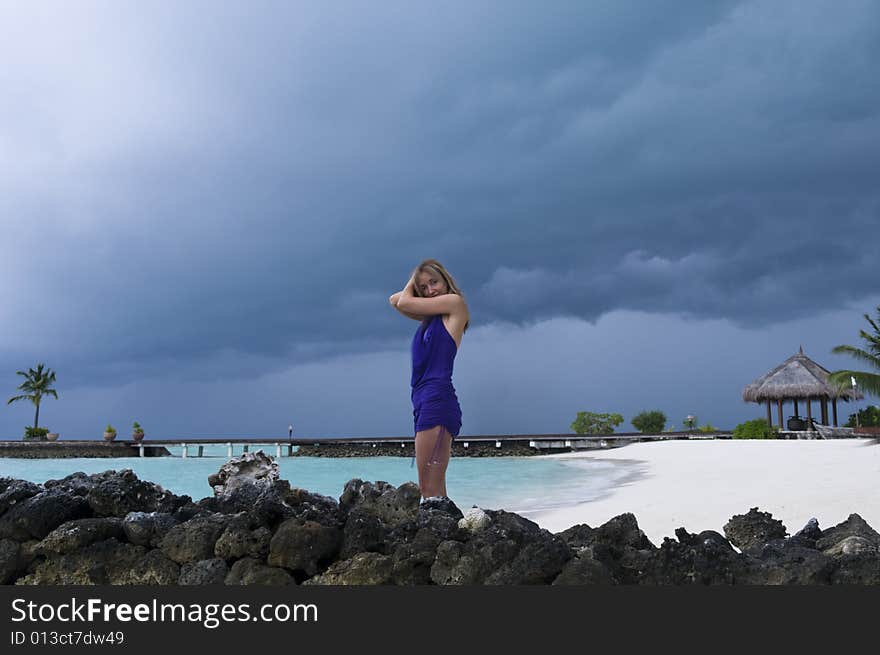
pixel 205 206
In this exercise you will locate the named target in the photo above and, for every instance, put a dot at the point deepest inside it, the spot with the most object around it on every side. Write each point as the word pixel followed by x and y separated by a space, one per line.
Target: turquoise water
pixel 518 484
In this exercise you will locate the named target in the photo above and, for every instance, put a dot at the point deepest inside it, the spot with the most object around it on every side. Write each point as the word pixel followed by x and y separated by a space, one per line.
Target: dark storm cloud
pixel 222 192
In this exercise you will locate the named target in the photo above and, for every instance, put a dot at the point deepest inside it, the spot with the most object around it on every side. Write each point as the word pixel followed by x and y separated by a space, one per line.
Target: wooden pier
pixel 464 445
pixel 478 445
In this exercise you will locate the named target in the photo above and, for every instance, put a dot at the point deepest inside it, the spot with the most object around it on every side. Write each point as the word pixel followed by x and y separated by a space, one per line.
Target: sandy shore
pixel 699 485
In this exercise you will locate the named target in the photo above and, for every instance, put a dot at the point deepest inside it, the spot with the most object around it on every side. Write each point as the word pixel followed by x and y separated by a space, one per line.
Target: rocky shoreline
pixel 73 449
pixel 113 528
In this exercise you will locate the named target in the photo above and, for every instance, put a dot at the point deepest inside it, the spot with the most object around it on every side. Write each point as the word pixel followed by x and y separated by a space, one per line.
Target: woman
pixel 432 297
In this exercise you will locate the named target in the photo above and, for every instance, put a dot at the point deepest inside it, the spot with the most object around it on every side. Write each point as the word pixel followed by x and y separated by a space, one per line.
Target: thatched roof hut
pixel 798 378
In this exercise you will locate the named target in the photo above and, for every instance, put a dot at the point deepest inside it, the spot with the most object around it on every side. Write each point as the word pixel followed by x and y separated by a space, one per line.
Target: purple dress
pixel 433 396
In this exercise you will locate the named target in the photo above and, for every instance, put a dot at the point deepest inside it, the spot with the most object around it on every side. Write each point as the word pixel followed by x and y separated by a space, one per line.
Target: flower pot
pixel 52 436
pixel 137 436
pixel 109 436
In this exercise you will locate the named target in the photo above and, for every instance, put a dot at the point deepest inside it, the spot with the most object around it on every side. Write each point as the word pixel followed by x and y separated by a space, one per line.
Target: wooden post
pixel 201 450
pixel 228 450
pixel 795 407
pixel 184 451
pixel 141 449
pixel 781 423
pixel 278 450
pixel 245 449
pixel 809 414
pixel 290 450
pixel 824 411
pixel 834 408
pixel 769 414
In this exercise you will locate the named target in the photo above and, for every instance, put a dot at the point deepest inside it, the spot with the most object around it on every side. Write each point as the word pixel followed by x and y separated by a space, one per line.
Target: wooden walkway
pixel 195 446
pixel 548 442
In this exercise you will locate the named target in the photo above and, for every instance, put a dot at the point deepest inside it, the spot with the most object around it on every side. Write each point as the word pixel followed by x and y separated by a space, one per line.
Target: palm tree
pixel 36 385
pixel 869 382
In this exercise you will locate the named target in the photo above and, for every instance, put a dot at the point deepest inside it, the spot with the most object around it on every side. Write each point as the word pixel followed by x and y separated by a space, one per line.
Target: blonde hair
pixel 435 267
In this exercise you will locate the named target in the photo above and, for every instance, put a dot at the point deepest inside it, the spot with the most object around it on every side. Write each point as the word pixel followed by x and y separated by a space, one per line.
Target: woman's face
pixel 431 284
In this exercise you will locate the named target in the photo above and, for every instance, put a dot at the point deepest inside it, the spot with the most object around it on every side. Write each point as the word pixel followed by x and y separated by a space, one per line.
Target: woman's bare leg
pixel 432 460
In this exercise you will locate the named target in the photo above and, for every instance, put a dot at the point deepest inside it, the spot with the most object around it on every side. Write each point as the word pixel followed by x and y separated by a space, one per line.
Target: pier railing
pixel 195 446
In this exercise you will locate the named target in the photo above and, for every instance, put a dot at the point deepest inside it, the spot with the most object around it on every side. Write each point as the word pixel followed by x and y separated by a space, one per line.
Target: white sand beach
pixel 699 485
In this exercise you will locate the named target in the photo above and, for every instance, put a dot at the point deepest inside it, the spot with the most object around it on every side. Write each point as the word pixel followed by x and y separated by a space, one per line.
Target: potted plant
pixel 137 432
pixel 109 433
pixel 35 434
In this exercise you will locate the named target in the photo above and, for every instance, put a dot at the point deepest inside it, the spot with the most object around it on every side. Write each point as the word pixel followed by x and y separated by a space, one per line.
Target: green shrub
pixel 591 423
pixel 868 417
pixel 707 428
pixel 649 422
pixel 755 429
pixel 35 434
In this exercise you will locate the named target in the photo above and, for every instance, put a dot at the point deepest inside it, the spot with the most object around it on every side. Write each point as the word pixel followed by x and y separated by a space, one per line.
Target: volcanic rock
pixel 362 569
pixel 147 528
pixel 754 529
pixel 248 570
pixel 73 535
pixel 305 547
pixel 204 572
pixel 193 540
pixel 854 526
pixel 37 516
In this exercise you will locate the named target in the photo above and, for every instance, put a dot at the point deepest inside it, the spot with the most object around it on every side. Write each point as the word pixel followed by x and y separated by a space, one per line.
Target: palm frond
pixel 857 353
pixel 868 383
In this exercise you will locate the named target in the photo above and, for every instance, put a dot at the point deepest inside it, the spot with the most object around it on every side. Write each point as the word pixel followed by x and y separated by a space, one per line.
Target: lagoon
pixel 518 484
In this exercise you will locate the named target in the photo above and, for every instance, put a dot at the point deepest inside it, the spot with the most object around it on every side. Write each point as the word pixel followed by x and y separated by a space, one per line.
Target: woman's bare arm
pixel 448 303
pixel 395 298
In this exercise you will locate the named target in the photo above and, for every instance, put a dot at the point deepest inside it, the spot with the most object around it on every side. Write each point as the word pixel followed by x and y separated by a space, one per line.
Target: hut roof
pixel 798 377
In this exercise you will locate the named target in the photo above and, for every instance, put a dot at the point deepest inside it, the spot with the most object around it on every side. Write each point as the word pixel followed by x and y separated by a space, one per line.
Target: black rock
pixel 204 572
pixel 364 532
pixel 511 550
pixel 10 561
pixel 621 546
pixel 391 505
pixel 193 540
pixel 584 570
pixel 308 506
pixel 362 569
pixel 705 558
pixel 754 529
pixel 854 526
pixel 74 535
pixel 13 491
pixel 249 571
pixel 307 547
pixel 412 558
pixel 808 534
pixel 103 562
pixel 154 568
pixel 148 528
pixel 37 516
pixel 861 569
pixel 783 562
pixel 380 517
pixel 577 536
pixel 118 493
pixel 239 541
